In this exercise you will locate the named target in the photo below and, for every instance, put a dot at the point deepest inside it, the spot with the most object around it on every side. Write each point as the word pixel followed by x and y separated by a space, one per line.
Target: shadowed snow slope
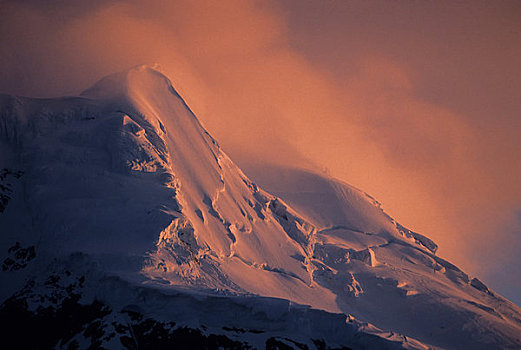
pixel 126 177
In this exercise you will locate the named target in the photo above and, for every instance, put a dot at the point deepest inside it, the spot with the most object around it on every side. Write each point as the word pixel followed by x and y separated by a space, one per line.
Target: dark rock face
pixel 51 327
pixel 47 327
pixel 6 188
pixel 151 334
pixel 51 312
pixel 18 257
pixel 57 324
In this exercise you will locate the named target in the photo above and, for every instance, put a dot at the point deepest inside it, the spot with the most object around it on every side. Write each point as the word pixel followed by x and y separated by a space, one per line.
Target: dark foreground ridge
pixel 58 318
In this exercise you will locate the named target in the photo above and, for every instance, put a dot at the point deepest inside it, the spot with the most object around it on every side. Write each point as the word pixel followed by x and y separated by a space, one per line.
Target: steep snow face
pixel 128 176
pixel 383 273
pixel 221 224
pixel 332 205
pixel 127 173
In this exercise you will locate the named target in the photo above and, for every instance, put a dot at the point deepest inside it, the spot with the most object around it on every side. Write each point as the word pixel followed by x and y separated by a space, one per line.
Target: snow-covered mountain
pixel 124 224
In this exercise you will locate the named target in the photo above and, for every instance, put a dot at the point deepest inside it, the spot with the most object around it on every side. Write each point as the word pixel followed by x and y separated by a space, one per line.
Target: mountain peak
pixel 123 83
pixel 128 184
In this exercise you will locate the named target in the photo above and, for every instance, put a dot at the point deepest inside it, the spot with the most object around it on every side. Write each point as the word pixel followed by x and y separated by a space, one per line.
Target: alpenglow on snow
pixel 125 225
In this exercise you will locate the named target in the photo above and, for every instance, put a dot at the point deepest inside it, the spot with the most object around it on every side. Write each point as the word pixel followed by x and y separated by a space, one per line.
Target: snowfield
pixel 119 211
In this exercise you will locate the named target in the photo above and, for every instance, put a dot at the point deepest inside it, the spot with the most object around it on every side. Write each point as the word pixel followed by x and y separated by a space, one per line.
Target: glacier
pixel 121 210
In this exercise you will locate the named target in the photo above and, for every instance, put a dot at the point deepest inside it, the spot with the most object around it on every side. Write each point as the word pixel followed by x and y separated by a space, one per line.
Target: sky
pixel 416 103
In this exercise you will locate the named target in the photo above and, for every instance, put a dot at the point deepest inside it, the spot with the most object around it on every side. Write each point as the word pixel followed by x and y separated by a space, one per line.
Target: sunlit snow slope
pixel 126 175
